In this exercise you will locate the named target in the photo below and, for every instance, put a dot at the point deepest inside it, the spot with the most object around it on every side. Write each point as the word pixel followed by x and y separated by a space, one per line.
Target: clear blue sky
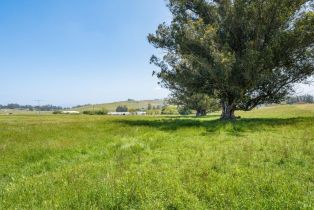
pixel 68 52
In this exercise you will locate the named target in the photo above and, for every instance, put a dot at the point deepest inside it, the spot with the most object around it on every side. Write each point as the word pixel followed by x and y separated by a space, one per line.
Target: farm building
pixel 119 113
pixel 126 113
pixel 140 113
pixel 70 112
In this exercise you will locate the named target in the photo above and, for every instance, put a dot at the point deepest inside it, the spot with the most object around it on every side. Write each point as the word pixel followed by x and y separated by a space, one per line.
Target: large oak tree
pixel 243 52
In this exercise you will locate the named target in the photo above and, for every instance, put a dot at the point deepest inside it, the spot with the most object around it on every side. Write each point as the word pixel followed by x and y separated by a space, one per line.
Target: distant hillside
pixel 131 104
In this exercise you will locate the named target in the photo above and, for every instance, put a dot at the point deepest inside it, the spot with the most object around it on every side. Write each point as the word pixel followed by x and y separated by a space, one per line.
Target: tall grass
pixel 263 161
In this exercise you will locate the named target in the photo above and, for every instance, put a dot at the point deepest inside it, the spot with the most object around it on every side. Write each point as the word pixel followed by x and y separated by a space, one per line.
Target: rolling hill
pixel 131 104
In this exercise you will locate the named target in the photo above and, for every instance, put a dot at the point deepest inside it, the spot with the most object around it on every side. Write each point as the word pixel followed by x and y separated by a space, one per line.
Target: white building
pixel 140 113
pixel 70 112
pixel 119 113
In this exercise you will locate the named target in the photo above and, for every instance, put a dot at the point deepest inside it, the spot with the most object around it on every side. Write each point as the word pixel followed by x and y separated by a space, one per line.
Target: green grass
pixel 130 104
pixel 263 161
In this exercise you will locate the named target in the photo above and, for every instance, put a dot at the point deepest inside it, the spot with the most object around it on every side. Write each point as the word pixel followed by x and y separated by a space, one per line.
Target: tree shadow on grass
pixel 212 116
pixel 212 124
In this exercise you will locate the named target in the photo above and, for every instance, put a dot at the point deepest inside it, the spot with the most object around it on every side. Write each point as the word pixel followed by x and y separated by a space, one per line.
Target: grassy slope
pixel 129 104
pixel 265 160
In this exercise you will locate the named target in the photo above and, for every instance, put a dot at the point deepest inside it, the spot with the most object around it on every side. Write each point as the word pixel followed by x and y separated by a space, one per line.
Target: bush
pixel 122 109
pixel 87 112
pixel 153 112
pixel 57 112
pixel 169 110
pixel 96 112
pixel 184 110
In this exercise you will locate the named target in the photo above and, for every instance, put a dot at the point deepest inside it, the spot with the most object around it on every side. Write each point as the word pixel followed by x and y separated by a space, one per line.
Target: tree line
pixel 30 107
pixel 309 99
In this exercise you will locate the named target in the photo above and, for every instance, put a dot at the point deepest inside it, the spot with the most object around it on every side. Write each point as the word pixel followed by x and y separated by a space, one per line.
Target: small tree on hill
pixel 149 107
pixel 122 109
pixel 244 53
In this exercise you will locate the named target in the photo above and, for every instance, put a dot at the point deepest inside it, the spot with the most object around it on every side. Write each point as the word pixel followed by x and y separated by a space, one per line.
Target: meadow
pixel 265 160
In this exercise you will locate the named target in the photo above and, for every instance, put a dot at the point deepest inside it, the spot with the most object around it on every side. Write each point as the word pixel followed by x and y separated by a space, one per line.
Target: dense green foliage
pixel 153 112
pixel 263 161
pixel 244 53
pixel 122 109
pixel 201 103
pixel 57 112
pixel 31 108
pixel 169 110
pixel 96 112
pixel 300 99
pixel 183 110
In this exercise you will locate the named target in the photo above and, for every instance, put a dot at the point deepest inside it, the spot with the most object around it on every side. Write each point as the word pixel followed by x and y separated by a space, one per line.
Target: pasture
pixel 265 160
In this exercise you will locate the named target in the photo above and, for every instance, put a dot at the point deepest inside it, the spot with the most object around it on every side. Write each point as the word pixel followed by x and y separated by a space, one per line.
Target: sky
pixel 80 51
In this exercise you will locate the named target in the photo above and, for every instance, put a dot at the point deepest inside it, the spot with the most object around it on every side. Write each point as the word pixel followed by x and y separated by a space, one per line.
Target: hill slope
pixel 130 104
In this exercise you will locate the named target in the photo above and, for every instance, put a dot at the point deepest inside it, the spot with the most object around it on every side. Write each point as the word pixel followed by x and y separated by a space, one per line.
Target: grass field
pixel 263 161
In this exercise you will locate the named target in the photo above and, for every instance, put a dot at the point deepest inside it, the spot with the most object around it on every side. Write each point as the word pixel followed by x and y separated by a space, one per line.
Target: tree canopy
pixel 199 102
pixel 122 109
pixel 242 52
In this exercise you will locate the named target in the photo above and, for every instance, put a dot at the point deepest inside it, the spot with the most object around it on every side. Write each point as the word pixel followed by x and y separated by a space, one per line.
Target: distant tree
pixel 199 102
pixel 244 53
pixel 183 110
pixel 13 106
pixel 309 99
pixel 149 107
pixel 122 109
pixel 169 110
pixel 153 112
pixel 300 99
pixel 96 112
pixel 31 108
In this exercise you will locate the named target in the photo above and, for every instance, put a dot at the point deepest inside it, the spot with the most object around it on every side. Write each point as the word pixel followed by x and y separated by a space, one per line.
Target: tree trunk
pixel 227 111
pixel 200 113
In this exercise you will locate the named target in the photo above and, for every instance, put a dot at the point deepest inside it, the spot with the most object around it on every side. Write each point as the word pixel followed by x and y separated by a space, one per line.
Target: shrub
pixel 153 112
pixel 96 112
pixel 183 110
pixel 122 109
pixel 169 110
